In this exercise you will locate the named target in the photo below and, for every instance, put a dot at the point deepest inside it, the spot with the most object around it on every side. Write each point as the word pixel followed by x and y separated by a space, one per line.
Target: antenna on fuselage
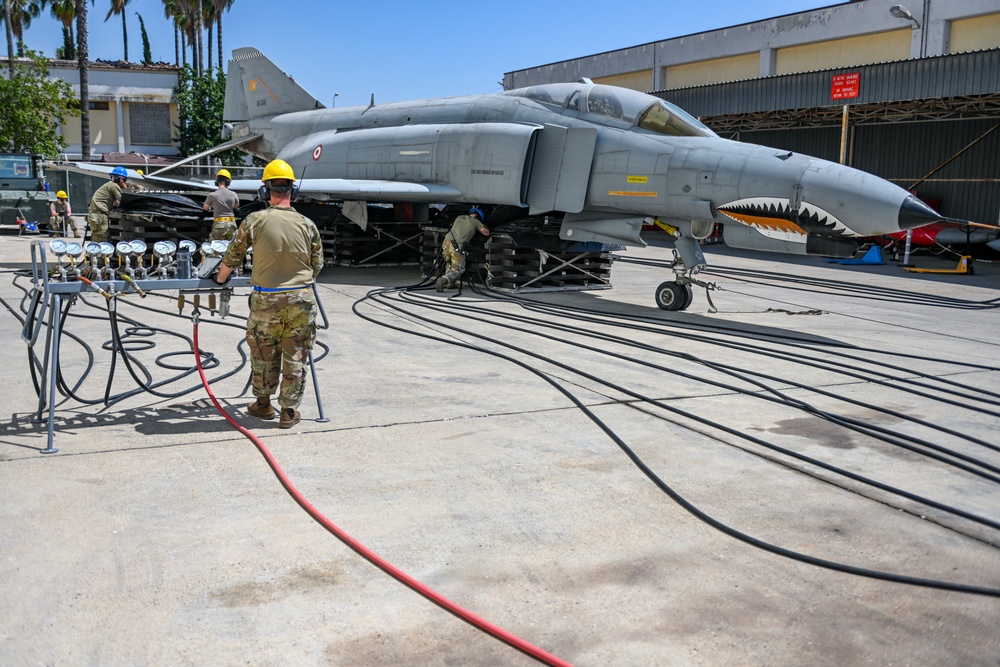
pixel 372 103
pixel 584 79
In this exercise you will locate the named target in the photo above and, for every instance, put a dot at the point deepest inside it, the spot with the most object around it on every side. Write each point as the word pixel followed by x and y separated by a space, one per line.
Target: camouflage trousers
pixel 454 263
pixel 281 331
pixel 99 224
pixel 223 230
pixel 62 225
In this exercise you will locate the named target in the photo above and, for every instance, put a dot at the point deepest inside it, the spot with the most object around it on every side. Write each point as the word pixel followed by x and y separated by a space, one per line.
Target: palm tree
pixel 18 15
pixel 170 11
pixel 10 36
pixel 221 6
pixel 81 54
pixel 198 25
pixel 118 7
pixel 208 16
pixel 64 11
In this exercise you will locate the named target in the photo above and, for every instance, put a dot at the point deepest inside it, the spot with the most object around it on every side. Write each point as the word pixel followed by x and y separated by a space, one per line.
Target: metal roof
pixel 950 76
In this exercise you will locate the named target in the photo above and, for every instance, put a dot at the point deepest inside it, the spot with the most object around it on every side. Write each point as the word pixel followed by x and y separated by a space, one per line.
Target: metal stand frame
pixel 49 295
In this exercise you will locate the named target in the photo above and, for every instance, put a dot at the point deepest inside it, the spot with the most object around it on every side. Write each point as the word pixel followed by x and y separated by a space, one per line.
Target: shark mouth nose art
pixel 773 216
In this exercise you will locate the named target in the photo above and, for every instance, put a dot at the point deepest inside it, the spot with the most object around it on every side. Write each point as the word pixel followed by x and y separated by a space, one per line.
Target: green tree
pixel 147 53
pixel 32 106
pixel 200 100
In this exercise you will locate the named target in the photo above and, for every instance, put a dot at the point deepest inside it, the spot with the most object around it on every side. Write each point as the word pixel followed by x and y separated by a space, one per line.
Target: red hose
pixel 376 560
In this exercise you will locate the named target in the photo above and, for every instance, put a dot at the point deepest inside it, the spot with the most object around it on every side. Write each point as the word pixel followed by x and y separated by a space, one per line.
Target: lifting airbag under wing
pixel 486 162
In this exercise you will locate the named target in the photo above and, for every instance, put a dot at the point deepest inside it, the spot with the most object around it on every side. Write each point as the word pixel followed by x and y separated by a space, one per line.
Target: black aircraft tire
pixel 688 297
pixel 671 296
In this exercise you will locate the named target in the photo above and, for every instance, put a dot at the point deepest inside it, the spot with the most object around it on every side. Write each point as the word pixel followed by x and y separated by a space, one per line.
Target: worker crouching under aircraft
pixel 456 244
pixel 281 329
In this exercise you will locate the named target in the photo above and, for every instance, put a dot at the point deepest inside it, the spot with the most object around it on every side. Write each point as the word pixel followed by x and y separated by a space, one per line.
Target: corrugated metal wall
pixel 976 73
pixel 968 187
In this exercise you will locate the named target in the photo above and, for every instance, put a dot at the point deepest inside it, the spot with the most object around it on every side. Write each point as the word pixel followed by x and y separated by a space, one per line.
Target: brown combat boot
pixel 261 408
pixel 289 418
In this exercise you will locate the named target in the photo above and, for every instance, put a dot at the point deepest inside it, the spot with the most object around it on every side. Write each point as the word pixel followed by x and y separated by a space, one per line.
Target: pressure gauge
pixel 161 249
pixel 74 250
pixel 58 246
pixel 93 249
pixel 107 249
pixel 189 246
pixel 124 248
pixel 220 246
pixel 138 247
pixel 206 249
pixel 171 247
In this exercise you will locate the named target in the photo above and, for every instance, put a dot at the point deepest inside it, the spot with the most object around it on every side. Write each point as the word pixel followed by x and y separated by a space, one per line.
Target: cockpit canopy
pixel 617 107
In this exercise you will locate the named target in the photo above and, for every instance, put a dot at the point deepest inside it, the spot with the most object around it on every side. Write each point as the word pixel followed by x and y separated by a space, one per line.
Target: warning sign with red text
pixel 845 86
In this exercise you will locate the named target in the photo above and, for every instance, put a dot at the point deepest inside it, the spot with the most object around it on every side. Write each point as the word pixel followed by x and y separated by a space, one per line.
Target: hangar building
pixel 908 92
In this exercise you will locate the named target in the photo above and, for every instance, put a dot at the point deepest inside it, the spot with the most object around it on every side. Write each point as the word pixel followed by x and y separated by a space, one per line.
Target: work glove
pixel 215 276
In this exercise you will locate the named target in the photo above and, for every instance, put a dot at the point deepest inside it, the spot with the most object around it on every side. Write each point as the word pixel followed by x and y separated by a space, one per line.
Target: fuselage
pixel 646 158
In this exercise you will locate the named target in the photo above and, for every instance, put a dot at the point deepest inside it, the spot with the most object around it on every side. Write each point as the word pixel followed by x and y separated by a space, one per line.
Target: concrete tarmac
pixel 157 535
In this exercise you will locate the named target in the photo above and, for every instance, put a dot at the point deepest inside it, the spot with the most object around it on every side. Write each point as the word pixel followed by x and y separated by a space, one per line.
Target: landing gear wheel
pixel 689 296
pixel 672 295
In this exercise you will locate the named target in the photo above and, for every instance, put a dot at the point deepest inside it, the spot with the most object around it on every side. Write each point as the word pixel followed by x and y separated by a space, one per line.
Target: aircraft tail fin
pixel 256 88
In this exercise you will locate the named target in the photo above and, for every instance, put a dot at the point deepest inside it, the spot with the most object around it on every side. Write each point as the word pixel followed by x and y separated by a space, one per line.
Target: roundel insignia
pixel 317 152
pixel 253 85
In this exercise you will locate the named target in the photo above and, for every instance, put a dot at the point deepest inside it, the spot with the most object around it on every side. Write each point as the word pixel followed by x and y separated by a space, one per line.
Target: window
pixel 16 166
pixel 149 123
pixel 664 118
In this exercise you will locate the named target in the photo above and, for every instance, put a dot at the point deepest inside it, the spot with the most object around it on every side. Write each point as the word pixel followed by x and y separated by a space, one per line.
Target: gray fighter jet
pixel 604 159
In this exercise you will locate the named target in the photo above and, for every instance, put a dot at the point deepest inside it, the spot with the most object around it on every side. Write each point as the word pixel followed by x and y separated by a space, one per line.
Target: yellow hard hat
pixel 140 172
pixel 278 169
pixel 62 195
pixel 224 173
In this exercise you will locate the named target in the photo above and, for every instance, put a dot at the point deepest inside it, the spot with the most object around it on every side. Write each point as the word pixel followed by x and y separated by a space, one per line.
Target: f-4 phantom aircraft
pixel 605 159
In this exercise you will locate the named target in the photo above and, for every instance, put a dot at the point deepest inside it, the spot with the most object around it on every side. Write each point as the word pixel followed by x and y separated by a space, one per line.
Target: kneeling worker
pixel 456 243
pixel 281 329
pixel 223 204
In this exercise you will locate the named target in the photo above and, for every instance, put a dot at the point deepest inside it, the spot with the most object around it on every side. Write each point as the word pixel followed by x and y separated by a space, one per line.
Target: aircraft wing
pixel 94 169
pixel 342 189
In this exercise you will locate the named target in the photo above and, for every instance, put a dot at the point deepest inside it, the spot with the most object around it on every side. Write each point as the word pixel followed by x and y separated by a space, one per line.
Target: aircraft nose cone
pixel 914 213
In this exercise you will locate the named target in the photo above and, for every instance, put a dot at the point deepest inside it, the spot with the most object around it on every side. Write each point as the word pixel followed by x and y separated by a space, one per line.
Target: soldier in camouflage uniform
pixel 107 196
pixel 281 329
pixel 455 246
pixel 223 204
pixel 62 220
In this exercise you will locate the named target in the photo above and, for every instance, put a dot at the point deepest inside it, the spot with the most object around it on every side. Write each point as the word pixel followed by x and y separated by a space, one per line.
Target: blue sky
pixel 410 50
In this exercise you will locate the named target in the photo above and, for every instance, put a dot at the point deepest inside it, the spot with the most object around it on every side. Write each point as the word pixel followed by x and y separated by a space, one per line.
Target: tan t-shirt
pixel 287 249
pixel 223 202
pixel 105 197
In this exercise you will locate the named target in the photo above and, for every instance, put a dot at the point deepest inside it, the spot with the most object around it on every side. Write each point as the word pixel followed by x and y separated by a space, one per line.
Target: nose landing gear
pixel 672 295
